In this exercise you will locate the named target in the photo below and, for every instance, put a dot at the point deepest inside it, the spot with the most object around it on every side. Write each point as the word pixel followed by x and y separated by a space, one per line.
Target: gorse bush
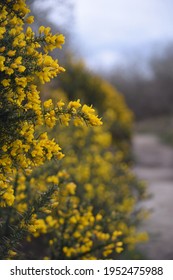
pixel 94 211
pixel 83 205
pixel 24 60
pixel 20 108
pixel 105 184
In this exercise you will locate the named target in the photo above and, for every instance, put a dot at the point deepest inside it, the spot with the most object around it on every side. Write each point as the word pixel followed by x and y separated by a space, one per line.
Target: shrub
pixel 84 205
pixel 25 60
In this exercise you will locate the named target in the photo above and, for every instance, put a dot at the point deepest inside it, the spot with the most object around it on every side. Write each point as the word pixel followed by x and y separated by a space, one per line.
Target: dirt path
pixel 154 164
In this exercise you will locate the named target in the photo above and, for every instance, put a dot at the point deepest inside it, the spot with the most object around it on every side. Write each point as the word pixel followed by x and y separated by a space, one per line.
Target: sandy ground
pixel 154 164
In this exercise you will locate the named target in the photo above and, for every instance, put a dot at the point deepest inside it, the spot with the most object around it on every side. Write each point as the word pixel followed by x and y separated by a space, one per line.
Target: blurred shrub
pixel 98 207
pixel 80 83
pixel 95 212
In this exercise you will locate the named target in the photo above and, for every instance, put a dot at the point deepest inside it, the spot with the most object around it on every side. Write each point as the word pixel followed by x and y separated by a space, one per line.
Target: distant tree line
pixel 148 95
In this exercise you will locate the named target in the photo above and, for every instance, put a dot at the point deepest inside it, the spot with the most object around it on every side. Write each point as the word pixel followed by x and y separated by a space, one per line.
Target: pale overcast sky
pixel 107 32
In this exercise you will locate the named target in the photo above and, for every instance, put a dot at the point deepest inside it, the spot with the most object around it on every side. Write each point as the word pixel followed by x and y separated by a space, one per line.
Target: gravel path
pixel 154 164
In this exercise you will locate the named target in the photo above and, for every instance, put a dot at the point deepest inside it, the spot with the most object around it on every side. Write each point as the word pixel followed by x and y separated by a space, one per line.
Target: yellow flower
pixel 48 103
pixel 21 68
pixel 67 251
pixel 13 21
pixel 41 29
pixel 99 217
pixel 71 187
pixel 47 30
pixel 9 71
pixel 2 49
pixel 2 67
pixel 6 82
pixel 89 115
pixel 119 250
pixel 74 104
pixel 12 253
pixel 60 104
pixel 18 60
pixel 13 32
pixel 60 40
pixel 11 53
pixel 87 110
pixel 78 121
pixel 9 197
pixel 50 119
pixel 30 20
pixel 65 119
pixel 2 31
pixel 53 179
pixel 21 81
pixel 48 60
pixel 51 242
pixel 94 120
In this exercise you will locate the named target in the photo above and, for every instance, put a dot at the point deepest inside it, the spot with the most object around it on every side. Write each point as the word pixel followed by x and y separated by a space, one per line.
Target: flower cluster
pixel 74 111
